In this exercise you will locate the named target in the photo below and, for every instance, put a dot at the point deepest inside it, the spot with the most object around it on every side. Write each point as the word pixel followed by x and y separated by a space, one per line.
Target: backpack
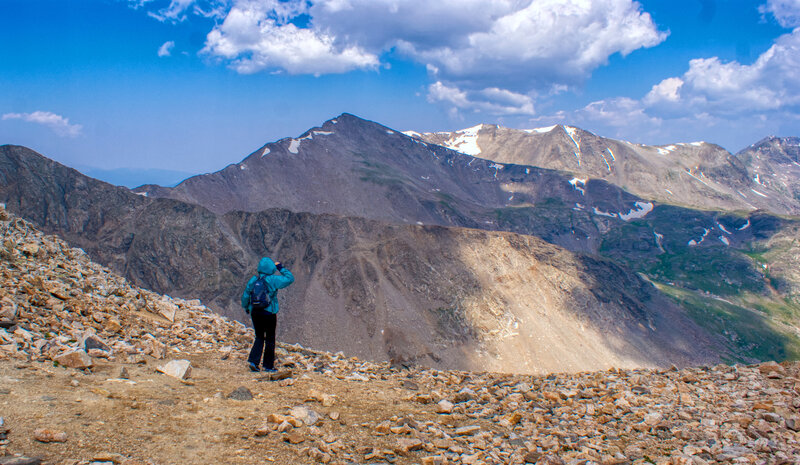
pixel 259 296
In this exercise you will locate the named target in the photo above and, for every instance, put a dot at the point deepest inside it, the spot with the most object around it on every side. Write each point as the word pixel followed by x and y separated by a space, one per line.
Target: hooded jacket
pixel 266 268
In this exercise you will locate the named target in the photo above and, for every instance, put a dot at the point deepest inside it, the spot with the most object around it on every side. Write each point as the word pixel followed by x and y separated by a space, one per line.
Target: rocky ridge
pixel 86 378
pixel 696 174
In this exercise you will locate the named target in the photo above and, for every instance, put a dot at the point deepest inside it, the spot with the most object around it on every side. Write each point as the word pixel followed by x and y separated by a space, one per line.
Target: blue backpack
pixel 259 296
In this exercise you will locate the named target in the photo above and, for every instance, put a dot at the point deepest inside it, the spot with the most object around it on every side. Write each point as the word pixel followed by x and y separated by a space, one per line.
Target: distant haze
pixel 132 177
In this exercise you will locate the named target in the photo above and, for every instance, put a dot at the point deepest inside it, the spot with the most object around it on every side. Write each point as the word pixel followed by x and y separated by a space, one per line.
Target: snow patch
pixel 697 144
pixel 756 180
pixel 143 194
pixel 722 228
pixel 666 149
pixel 759 193
pixel 572 132
pixel 242 167
pixel 294 145
pixel 266 151
pixel 466 141
pixel 334 121
pixel 694 242
pixel 641 210
pixel 540 130
pixel 602 213
pixel 412 134
pixel 389 131
pixel 575 182
pixel 527 171
pixel 744 226
pixel 611 153
pixel 323 133
pixel 695 177
pixel 724 240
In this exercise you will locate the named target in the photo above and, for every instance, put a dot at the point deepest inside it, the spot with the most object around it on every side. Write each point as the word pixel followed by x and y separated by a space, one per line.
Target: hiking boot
pixel 253 367
pixel 269 370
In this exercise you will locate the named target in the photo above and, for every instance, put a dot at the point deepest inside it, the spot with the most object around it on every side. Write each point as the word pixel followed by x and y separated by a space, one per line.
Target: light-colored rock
pixel 48 435
pixel 75 359
pixel 306 415
pixel 444 406
pixel 181 369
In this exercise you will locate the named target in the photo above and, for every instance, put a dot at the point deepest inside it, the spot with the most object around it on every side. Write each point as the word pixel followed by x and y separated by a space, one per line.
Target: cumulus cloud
pixel 166 49
pixel 257 35
pixel 492 51
pixel 491 100
pixel 786 12
pixel 57 123
pixel 710 85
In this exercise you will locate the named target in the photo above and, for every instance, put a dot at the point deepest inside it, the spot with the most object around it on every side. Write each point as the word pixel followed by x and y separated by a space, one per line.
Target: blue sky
pixel 193 85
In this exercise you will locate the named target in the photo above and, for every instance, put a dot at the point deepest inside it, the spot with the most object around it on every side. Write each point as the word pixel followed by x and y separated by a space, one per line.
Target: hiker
pixel 260 300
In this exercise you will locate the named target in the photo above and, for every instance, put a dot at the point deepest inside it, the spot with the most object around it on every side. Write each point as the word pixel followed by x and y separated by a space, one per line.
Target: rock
pixel 653 418
pixel 732 452
pixel 284 427
pixel 294 437
pixel 326 400
pixel 444 406
pixel 109 457
pixel 434 460
pixel 406 445
pixel 93 342
pixel 20 461
pixel 75 359
pixel 30 249
pixel 305 414
pixel 47 435
pixel 240 393
pixel 262 431
pixel 181 369
pixel 770 367
pixel 467 430
pixel 156 349
pixel 550 459
pixel 123 373
pixel 793 423
pixel 166 308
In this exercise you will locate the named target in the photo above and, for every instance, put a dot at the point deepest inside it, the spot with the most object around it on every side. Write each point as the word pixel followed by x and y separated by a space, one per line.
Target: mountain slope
pixel 447 297
pixel 696 174
pixel 774 163
pixel 324 407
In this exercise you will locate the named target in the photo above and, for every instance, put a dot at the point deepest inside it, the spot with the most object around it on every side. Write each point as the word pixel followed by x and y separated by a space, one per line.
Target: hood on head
pixel 266 266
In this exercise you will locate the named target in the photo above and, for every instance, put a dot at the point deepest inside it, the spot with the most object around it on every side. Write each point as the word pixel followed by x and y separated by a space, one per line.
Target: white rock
pixel 181 369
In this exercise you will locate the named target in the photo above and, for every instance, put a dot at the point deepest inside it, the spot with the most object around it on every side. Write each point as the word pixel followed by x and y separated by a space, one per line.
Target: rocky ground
pixel 96 371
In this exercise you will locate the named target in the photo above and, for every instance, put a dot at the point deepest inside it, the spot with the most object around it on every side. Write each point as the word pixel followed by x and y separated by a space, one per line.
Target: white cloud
pixel 166 49
pixel 174 12
pixel 57 123
pixel 786 12
pixel 710 85
pixel 255 36
pixel 491 50
pixel 491 100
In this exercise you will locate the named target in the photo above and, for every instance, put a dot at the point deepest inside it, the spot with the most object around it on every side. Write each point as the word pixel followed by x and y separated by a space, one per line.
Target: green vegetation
pixel 750 335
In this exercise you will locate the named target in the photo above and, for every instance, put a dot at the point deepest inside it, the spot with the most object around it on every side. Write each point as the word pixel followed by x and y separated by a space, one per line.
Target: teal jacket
pixel 266 267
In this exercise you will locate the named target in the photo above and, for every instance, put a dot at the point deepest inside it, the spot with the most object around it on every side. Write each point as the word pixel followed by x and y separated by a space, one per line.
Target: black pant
pixel 264 324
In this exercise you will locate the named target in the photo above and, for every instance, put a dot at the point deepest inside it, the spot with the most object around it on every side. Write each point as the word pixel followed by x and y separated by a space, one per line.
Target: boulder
pixel 181 369
pixel 305 414
pixel 75 359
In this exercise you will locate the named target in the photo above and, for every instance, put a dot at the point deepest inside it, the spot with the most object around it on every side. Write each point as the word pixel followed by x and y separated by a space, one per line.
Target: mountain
pixel 696 174
pixel 774 163
pixel 389 233
pixel 98 371
pixel 449 297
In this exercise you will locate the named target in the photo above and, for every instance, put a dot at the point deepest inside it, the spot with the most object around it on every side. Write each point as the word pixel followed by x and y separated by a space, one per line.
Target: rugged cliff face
pixel 696 174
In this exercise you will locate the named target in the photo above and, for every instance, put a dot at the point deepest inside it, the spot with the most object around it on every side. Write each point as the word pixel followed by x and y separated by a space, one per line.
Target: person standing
pixel 260 300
